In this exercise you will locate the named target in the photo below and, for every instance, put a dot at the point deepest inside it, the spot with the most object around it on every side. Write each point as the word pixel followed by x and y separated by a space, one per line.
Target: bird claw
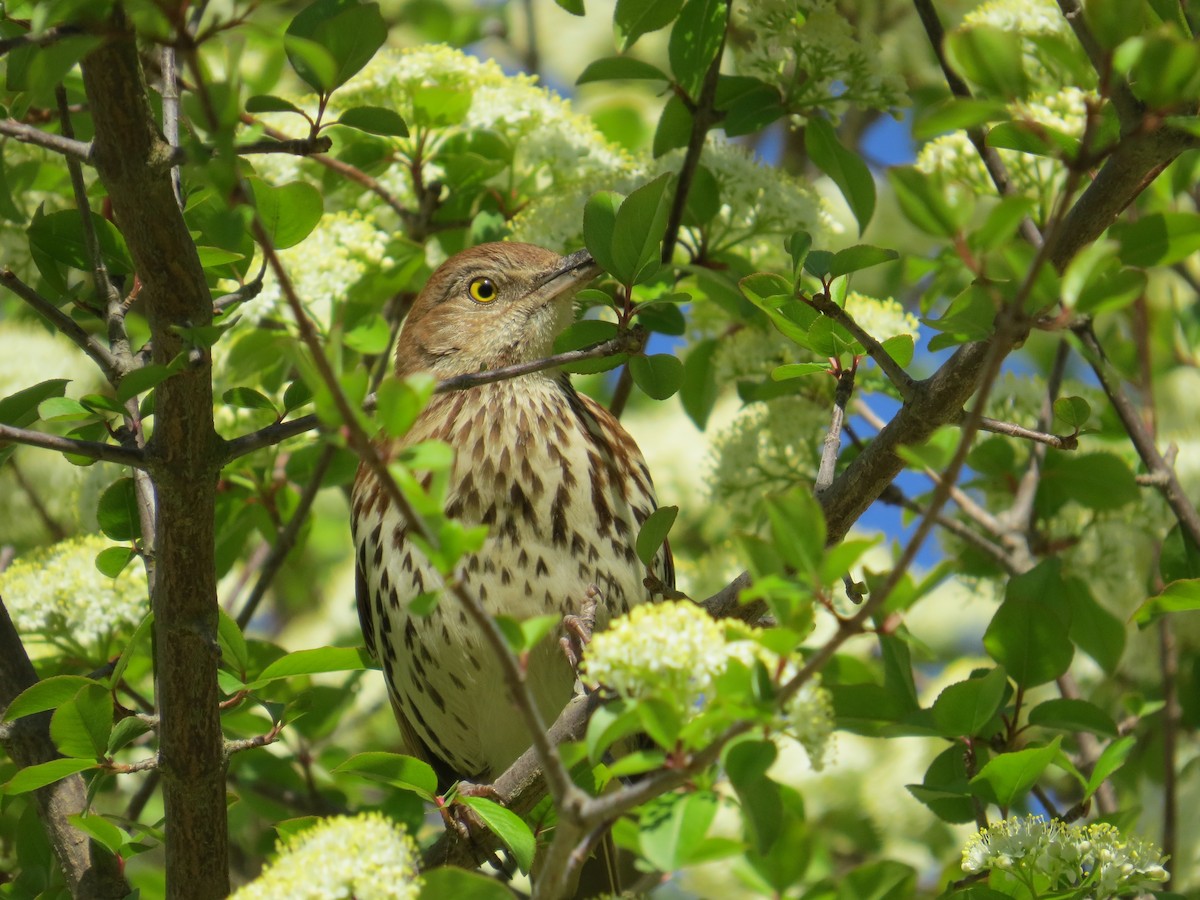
pixel 466 823
pixel 579 628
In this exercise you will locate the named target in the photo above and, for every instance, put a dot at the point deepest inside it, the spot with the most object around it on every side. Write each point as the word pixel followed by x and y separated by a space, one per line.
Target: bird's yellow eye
pixel 482 290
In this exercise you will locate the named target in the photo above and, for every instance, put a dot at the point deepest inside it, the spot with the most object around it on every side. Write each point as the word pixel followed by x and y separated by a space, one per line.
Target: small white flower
pixel 365 857
pixel 58 593
pixel 881 319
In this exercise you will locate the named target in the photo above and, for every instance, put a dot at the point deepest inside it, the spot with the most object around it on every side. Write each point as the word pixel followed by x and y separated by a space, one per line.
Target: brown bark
pixel 90 871
pixel 133 160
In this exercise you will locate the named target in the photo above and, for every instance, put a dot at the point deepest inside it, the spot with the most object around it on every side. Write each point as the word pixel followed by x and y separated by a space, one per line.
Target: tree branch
pixel 27 134
pixel 1143 441
pixel 624 342
pixel 833 439
pixel 112 366
pixel 113 453
pixel 89 870
pixel 901 380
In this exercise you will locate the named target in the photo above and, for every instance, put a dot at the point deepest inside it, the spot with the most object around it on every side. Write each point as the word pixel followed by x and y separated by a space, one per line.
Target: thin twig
pixel 105 290
pixel 113 453
pixel 624 342
pixel 894 496
pixel 833 439
pixel 42 39
pixel 1044 438
pixel 1143 441
pixel 1020 514
pixel 286 539
pixel 977 135
pixel 901 380
pixel 27 134
pixel 307 146
pixel 112 366
pixel 1129 108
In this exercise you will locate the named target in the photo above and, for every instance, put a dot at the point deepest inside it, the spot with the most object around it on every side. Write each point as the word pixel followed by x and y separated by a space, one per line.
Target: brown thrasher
pixel 561 485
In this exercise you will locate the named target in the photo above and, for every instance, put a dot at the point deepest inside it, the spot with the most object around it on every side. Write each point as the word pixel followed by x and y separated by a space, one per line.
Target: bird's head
pixel 490 306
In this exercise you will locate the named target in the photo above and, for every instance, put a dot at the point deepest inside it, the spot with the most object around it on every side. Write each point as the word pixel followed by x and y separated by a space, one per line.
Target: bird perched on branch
pixel 560 484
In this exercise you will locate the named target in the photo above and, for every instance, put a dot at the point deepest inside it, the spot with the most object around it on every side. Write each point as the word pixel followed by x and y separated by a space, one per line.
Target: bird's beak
pixel 569 275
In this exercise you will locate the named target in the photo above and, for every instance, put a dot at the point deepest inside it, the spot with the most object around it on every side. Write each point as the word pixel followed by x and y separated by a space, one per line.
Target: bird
pixel 561 485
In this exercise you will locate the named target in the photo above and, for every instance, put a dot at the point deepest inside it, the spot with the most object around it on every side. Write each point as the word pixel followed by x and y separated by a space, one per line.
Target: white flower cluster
pixel 1095 857
pixel 559 156
pixel 324 267
pixel 1025 17
pixel 757 201
pixel 809 50
pixel 882 319
pixel 58 593
pixel 956 157
pixel 676 651
pixel 768 448
pixel 365 857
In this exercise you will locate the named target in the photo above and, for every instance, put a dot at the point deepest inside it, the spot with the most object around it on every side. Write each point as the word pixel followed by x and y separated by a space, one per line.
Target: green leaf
pixel 1099 481
pixel 403 772
pixel 900 348
pixel 798 370
pixel 587 333
pixel 746 763
pixel 860 256
pixel 60 236
pixel 660 375
pixel 798 529
pixel 1068 714
pixel 1073 412
pixel 847 169
pixel 398 402
pixel 49 693
pixel 1111 758
pixel 607 725
pixel 264 103
pixel 248 398
pixel 878 881
pixel 20 409
pixel 1028 633
pixel 506 825
pixel 1006 778
pixel 80 726
pixel 233 643
pixel 289 212
pixel 696 39
pixel 612 68
pixel 957 114
pixel 63 409
pixel 674 127
pixel 138 381
pixel 117 512
pixel 599 222
pixel 445 881
pixel 990 57
pixel 674 827
pixel 371 335
pixel 113 560
pixel 638 231
pixel 748 104
pixel 313 63
pixel 349 31
pixel 374 120
pixel 33 777
pixel 311 662
pixel 944 788
pixel 1158 239
pixel 964 708
pixel 698 392
pixel 928 203
pixel 654 532
pixel 1178 596
pixel 633 18
pixel 101 829
pixel 1094 630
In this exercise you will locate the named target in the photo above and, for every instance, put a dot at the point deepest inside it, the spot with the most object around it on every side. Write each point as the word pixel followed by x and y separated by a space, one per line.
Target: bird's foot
pixel 579 628
pixel 466 823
